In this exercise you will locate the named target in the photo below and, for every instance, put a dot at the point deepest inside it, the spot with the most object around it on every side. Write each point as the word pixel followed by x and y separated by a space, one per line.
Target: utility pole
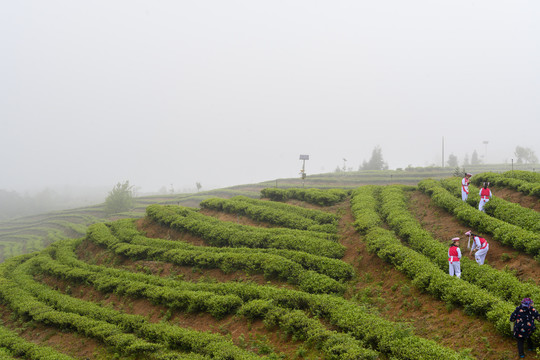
pixel 443 151
pixel 512 167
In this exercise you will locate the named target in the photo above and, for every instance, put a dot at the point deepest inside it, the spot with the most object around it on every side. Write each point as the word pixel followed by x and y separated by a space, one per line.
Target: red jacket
pixel 453 255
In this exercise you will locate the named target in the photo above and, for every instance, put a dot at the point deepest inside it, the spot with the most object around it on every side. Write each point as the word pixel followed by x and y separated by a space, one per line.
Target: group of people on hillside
pixel 522 319
pixel 480 248
pixel 485 193
pixel 480 245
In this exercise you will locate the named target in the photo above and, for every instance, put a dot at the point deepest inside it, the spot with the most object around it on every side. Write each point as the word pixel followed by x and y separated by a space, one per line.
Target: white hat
pixel 468 233
pixel 455 239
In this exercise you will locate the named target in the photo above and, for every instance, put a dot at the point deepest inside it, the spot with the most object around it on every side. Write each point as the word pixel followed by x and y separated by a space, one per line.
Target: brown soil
pixel 92 253
pixel 531 202
pixel 66 342
pixel 243 332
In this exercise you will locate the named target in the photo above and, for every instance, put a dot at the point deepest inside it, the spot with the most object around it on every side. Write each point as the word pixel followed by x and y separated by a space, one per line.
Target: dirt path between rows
pixel 530 202
pixel 397 299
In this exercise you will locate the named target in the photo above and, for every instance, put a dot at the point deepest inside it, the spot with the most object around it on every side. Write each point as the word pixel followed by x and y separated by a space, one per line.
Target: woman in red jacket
pixel 480 246
pixel 454 256
pixel 485 196
pixel 465 186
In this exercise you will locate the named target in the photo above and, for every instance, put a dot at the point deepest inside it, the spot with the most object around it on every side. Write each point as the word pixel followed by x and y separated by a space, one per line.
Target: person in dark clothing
pixel 524 317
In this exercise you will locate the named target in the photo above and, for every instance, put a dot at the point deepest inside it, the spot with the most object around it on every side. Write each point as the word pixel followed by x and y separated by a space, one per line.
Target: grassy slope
pixel 378 284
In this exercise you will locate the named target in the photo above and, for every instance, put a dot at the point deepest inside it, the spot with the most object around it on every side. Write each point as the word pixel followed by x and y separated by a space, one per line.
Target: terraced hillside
pixel 299 274
pixel 31 233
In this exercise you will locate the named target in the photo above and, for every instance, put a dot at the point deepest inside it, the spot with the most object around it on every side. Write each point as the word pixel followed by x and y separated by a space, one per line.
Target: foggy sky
pixel 232 92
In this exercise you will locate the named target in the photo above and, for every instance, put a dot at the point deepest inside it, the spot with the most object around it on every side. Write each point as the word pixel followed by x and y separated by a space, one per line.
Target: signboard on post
pixel 303 171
